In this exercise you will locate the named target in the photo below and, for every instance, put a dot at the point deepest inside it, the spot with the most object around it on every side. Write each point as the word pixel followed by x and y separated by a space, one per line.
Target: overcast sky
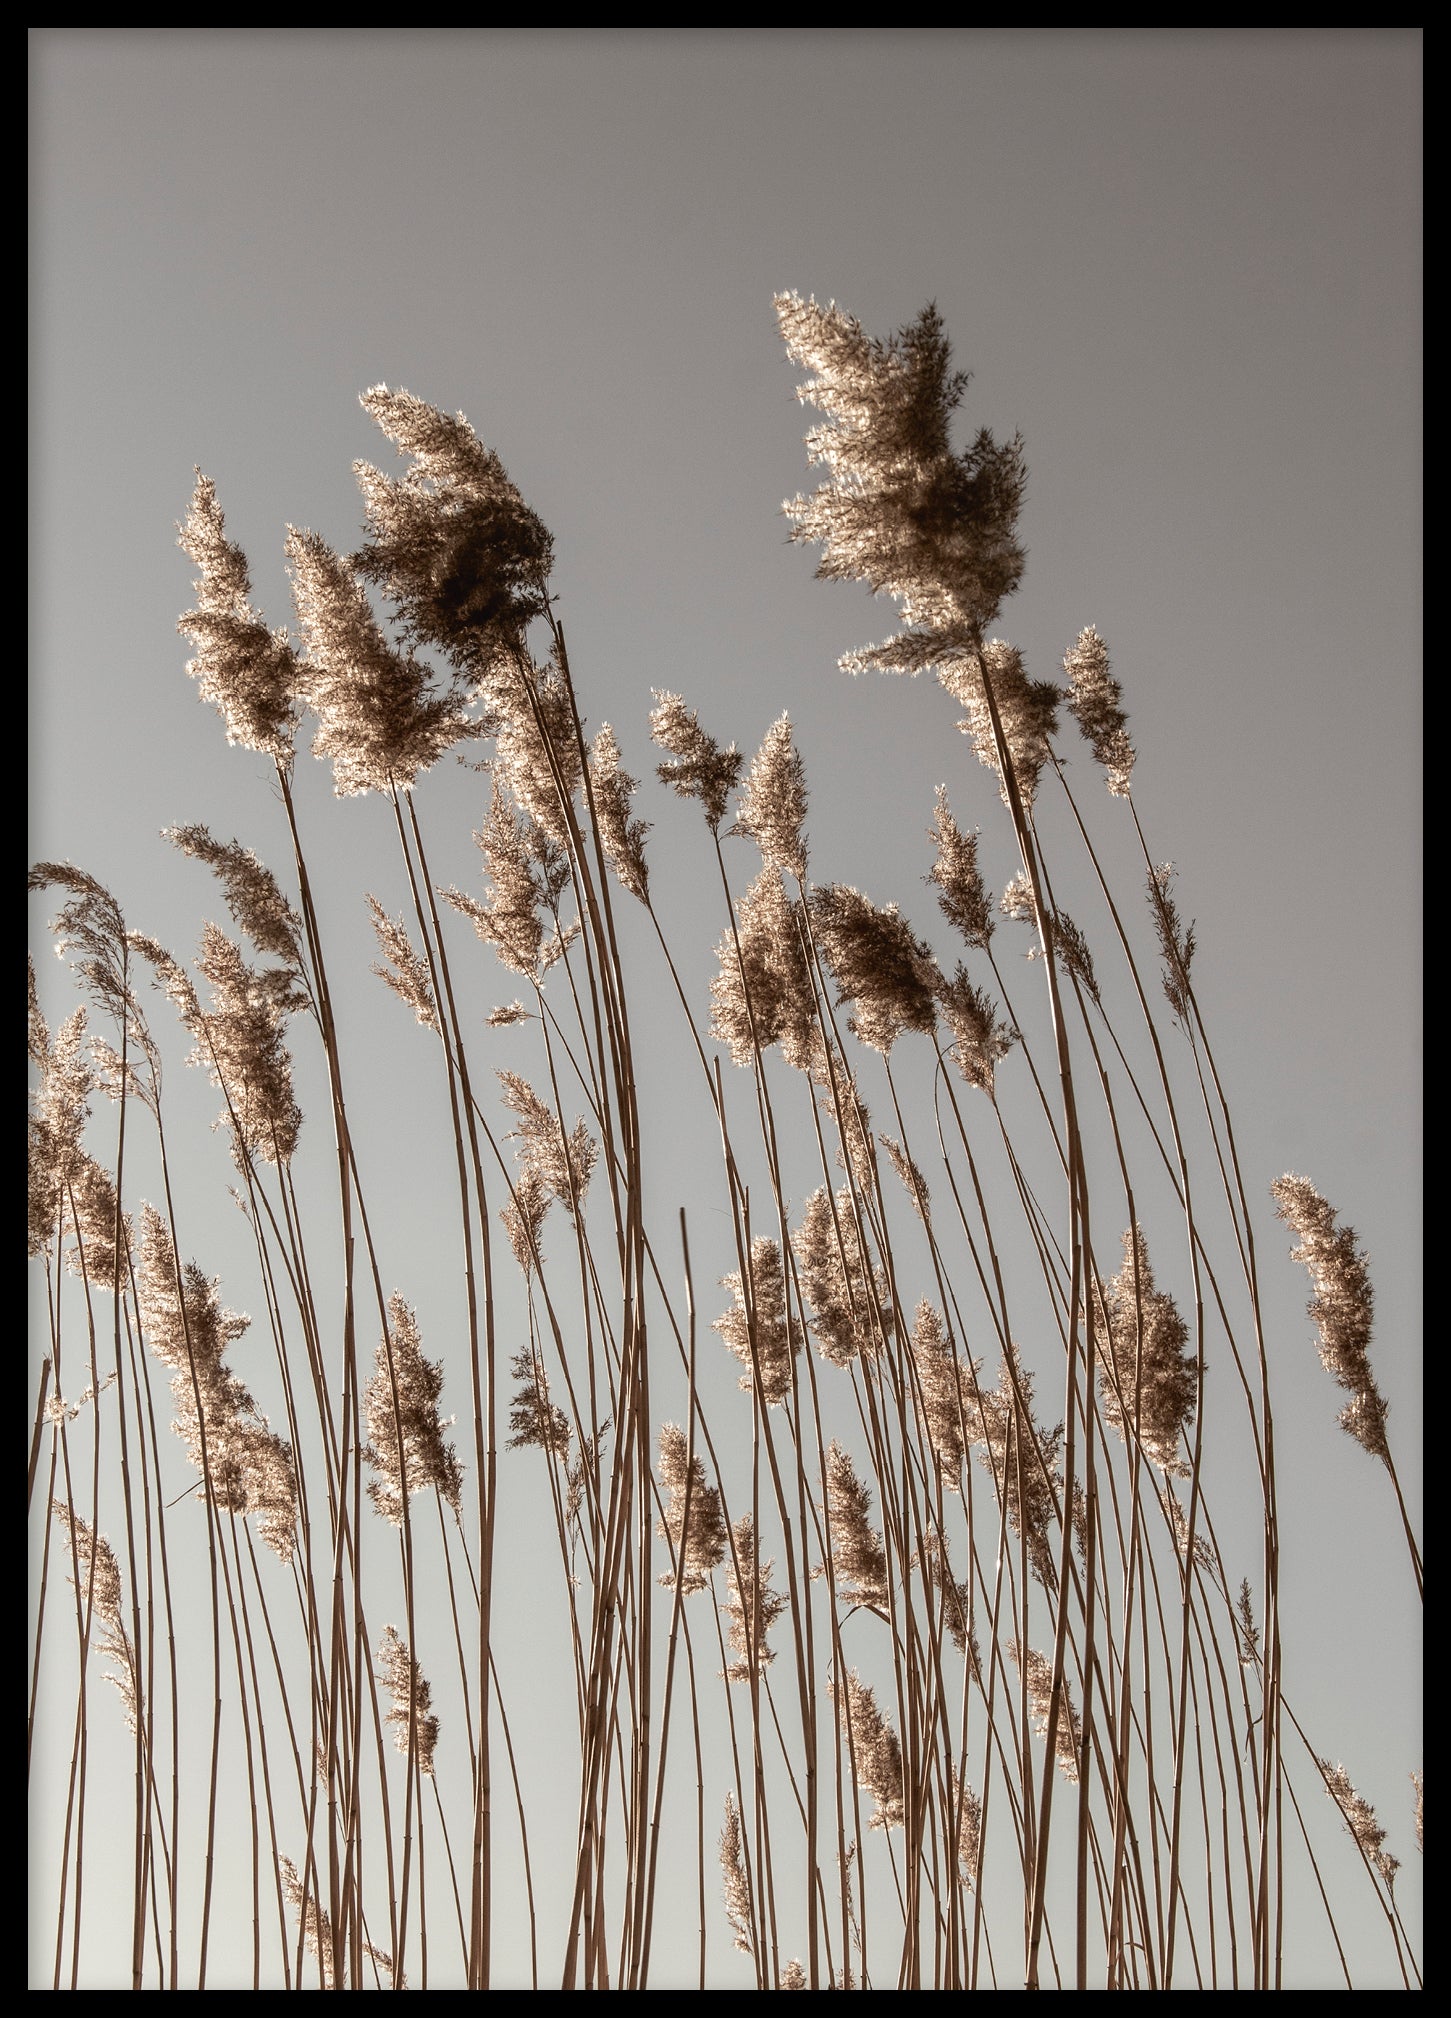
pixel 1184 263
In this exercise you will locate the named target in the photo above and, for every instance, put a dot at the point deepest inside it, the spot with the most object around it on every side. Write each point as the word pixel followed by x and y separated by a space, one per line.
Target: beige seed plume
pixel 979 1041
pixel 248 672
pixel 402 1677
pixel 1342 1306
pixel 1147 1370
pixel 99 1579
pixel 623 839
pixel 533 1417
pixel 697 1532
pixel 735 1884
pixel 408 976
pixel 752 1607
pixel 1361 1821
pixel 859 1558
pixel 914 1183
pixel 252 893
pixel 528 873
pixel 698 767
pixel 881 967
pixel 1021 1456
pixel 453 545
pixel 961 894
pixel 1095 700
pixel 949 1391
pixel 423 1454
pixel 876 1753
pixel 772 806
pixel 1037 1671
pixel 1027 711
pixel 852 1307
pixel 900 510
pixel 763 995
pixel 969 1834
pixel 380 718
pixel 777 1338
pixel 564 1163
pixel 1176 943
pixel 530 713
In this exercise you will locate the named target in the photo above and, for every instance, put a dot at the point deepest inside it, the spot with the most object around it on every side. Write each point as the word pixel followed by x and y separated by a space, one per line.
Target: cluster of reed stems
pixel 893 1617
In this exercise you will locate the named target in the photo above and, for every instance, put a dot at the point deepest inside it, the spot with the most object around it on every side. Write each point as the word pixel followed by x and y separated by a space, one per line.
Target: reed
pixel 931 1536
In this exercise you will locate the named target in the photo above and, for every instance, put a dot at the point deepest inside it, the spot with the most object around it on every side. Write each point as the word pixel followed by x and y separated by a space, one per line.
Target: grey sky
pixel 1185 264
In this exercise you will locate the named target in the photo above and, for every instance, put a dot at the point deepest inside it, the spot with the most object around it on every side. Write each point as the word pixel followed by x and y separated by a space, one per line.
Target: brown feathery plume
pixel 1072 948
pixel 402 1677
pixel 852 1310
pixel 913 1181
pixel 1341 1307
pixel 408 976
pixel 1361 1822
pixel 91 934
pixel 622 838
pixel 452 545
pixel 239 1040
pixel 933 529
pixel 793 1976
pixel 530 714
pixel 523 1217
pixel 90 1194
pixel 249 1468
pixel 60 1108
pixel 969 1834
pixel 778 1338
pixel 318 1929
pixel 752 1607
pixel 191 1333
pixel 59 1410
pixel 1147 1369
pixel 980 1042
pixel 772 805
pixel 1176 944
pixel 949 1389
pixel 316 1920
pixel 252 895
pixel 533 1417
pixel 698 768
pixel 1249 1632
pixel 1037 1671
pixel 1027 710
pixel 427 1458
pixel 836 1093
pixel 734 1881
pixel 961 894
pixel 859 1559
pixel 1017 900
pixel 507 1013
pixel 1095 701
pixel 378 718
pixel 1417 1781
pixel 876 1752
pixel 529 872
pixel 697 1536
pixel 956 1597
pixel 1021 1455
pixel 563 1162
pixel 879 964
pixel 762 995
pixel 1179 1521
pixel 100 1575
pixel 248 672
